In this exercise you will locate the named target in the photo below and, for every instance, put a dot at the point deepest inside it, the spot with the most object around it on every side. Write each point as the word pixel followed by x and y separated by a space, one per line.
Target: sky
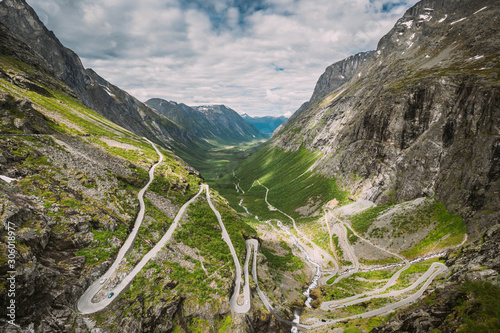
pixel 260 57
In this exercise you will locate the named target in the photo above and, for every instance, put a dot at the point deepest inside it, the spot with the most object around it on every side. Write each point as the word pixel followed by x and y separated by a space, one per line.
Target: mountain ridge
pixel 412 97
pixel 332 78
pixel 215 122
pixel 98 94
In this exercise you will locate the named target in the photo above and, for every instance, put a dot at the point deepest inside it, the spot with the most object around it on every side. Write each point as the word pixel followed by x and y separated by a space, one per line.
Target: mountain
pixel 95 92
pixel 266 124
pixel 399 163
pixel 418 118
pixel 404 156
pixel 338 73
pixel 70 183
pixel 215 123
pixel 334 76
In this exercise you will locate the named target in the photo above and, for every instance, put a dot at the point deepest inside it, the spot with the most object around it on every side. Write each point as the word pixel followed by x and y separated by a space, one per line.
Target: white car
pixel 103 280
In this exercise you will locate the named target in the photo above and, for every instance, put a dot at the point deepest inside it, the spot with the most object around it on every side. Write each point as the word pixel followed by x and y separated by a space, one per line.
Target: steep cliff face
pixel 65 64
pixel 339 73
pixel 218 123
pixel 334 76
pixel 420 117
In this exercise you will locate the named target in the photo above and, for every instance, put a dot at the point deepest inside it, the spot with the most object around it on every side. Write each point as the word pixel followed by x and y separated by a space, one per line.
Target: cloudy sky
pixel 262 57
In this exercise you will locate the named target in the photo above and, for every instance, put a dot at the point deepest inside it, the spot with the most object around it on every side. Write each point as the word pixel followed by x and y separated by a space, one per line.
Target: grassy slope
pixel 448 229
pixel 285 174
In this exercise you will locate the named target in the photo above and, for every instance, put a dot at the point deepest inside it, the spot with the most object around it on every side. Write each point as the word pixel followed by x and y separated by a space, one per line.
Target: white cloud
pixel 213 51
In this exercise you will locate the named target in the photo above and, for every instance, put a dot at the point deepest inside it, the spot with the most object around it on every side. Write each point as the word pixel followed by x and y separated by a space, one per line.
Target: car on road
pixel 111 294
pixel 103 280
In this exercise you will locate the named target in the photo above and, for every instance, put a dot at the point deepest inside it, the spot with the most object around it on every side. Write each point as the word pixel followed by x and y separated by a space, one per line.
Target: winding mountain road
pixel 233 302
pixel 85 304
pixel 426 279
pixel 435 270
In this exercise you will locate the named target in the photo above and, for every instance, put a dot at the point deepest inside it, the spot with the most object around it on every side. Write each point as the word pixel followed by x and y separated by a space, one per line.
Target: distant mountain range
pixel 216 123
pixel 266 124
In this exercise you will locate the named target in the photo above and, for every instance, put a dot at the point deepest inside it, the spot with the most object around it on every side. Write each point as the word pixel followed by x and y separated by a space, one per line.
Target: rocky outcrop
pixel 419 118
pixel 338 73
pixel 334 77
pixel 48 236
pixel 27 121
pixel 467 302
pixel 22 20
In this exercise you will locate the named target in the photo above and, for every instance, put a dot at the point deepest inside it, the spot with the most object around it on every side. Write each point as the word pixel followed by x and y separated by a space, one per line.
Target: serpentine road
pixel 85 304
pixel 434 270
pixel 233 302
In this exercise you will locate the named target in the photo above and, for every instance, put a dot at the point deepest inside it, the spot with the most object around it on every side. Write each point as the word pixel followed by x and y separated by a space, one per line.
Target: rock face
pixel 64 63
pixel 419 118
pixel 214 122
pixel 338 73
pixel 334 76
pixel 468 300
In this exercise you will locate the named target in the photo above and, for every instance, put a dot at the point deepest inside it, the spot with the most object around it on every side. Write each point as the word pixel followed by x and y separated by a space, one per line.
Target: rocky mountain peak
pixel 404 120
pixel 339 73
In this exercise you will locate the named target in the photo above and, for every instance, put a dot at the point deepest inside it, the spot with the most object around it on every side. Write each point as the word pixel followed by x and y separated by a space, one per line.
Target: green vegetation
pixel 366 324
pixel 101 248
pixel 285 174
pixel 225 325
pixel 317 234
pixel 338 248
pixel 377 275
pixel 361 222
pixel 409 275
pixel 351 237
pixel 481 312
pixel 449 229
pixel 347 287
pixel 288 262
pixel 204 233
pixel 220 160
pixel 384 261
